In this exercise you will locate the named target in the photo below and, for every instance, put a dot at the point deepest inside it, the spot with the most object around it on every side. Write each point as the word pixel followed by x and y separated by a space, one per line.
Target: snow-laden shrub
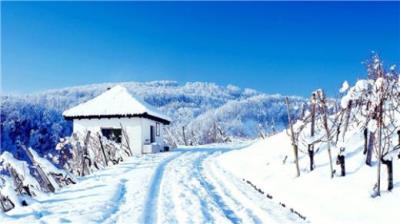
pixel 91 151
pixel 24 182
pixel 58 177
pixel 18 184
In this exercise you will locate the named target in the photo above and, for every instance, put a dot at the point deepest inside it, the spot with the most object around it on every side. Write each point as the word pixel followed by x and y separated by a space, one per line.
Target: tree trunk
pixel 126 137
pixel 325 117
pixel 346 122
pixel 311 155
pixel 19 187
pixel 311 146
pixel 365 141
pixel 389 167
pixel 184 135
pixel 303 110
pixel 371 142
pixel 42 174
pixel 294 144
pixel 380 124
pixel 398 133
pixel 102 150
pixel 85 155
pixel 341 161
pixel 214 133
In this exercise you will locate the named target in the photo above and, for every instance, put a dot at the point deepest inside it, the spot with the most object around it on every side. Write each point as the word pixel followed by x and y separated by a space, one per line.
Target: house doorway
pixel 152 134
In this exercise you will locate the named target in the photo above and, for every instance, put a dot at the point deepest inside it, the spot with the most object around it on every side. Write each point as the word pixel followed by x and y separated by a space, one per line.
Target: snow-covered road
pixel 184 186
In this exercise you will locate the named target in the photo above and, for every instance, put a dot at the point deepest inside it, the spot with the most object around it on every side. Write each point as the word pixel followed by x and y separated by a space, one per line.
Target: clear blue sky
pixel 288 48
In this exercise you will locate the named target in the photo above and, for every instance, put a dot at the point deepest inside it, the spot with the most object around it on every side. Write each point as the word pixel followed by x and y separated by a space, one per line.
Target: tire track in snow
pixel 267 210
pixel 116 201
pixel 211 191
pixel 227 192
pixel 130 203
pixel 183 192
pixel 150 207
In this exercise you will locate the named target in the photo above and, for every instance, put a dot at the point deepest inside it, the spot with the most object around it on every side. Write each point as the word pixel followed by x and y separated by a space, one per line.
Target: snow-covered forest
pixel 197 108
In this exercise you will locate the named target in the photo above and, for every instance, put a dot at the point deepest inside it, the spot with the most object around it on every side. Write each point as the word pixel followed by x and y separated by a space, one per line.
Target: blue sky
pixel 288 47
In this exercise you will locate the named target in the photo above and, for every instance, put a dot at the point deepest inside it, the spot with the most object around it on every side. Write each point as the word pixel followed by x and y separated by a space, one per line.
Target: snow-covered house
pixel 116 112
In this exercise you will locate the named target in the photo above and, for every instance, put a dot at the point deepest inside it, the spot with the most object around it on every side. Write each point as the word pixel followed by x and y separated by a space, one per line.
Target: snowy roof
pixel 115 102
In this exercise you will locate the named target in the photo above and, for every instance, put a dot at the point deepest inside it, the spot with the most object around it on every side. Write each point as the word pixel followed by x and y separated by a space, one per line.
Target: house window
pixel 113 134
pixel 152 133
pixel 158 129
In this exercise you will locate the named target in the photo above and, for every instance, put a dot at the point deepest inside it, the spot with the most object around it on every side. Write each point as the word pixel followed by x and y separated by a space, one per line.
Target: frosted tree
pixel 318 127
pixel 376 101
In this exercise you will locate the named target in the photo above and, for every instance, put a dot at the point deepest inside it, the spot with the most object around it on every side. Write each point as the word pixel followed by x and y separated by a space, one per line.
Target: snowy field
pixel 314 194
pixel 187 185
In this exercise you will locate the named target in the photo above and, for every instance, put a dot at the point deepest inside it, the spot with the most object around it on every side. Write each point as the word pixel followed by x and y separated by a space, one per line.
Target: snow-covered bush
pixel 24 182
pixel 19 181
pixel 90 152
pixel 57 177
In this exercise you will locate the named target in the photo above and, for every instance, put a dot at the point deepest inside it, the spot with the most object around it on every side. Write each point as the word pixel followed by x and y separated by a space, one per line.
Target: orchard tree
pixel 376 101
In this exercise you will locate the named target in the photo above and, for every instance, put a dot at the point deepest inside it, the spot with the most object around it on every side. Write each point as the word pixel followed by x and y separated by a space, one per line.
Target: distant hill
pixel 202 108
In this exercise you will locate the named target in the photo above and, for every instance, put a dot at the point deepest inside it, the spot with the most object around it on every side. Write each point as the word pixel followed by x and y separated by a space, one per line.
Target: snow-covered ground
pixel 314 194
pixel 207 184
pixel 187 185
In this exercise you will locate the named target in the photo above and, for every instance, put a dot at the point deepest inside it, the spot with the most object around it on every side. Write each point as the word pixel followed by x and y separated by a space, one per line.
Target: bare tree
pixel 102 149
pixel 324 111
pixel 126 143
pixel 310 149
pixel 293 139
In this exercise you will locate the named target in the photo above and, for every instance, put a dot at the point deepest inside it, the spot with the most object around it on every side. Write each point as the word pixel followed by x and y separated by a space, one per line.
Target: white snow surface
pixel 314 194
pixel 205 184
pixel 187 185
pixel 115 101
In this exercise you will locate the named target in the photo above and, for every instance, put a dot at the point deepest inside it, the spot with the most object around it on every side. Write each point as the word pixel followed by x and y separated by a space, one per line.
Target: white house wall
pixel 146 123
pixel 133 127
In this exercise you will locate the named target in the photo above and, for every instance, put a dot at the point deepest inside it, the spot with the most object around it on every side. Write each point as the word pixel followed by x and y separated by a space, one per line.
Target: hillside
pixel 200 107
pixel 334 168
pixel 314 194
